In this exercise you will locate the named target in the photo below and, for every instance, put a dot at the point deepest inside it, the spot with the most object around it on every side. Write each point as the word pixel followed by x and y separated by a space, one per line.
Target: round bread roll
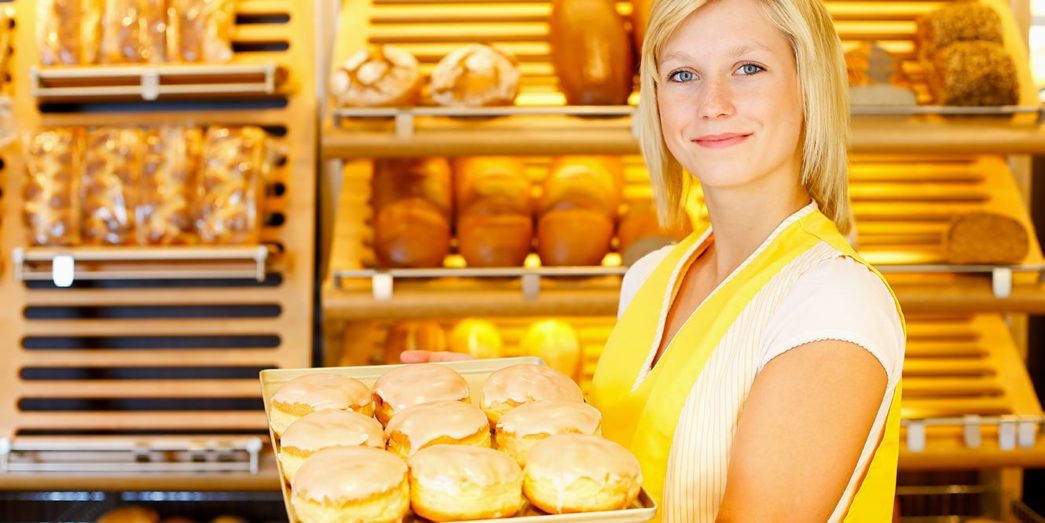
pixel 351 485
pixel 325 429
pixel 640 232
pixel 455 482
pixel 439 422
pixel 382 76
pixel 521 428
pixel 314 392
pixel 411 233
pixel 130 514
pixel 985 238
pixel 416 384
pixel 479 338
pixel 502 179
pixel 554 342
pixel 580 473
pixel 525 383
pixel 573 237
pixel 474 76
pixel 413 335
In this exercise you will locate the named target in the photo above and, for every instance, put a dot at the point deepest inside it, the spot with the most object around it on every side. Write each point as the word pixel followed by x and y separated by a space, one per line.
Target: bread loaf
pixel 200 30
pixel 413 335
pixel 110 187
pixel 556 343
pixel 475 76
pixel 870 64
pixel 591 52
pixel 975 73
pixel 165 212
pixel 962 21
pixel 51 191
pixel 640 232
pixel 383 76
pixel 68 31
pixel 494 212
pixel 985 238
pixel 578 210
pixel 412 203
pixel 230 185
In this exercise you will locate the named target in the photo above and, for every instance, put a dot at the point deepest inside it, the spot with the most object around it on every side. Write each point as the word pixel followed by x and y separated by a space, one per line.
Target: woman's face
pixel 730 108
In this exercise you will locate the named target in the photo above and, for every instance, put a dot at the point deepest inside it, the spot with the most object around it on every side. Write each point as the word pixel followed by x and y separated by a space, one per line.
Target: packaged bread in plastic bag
pixel 200 30
pixel 67 31
pixel 134 31
pixel 50 194
pixel 230 185
pixel 112 163
pixel 168 186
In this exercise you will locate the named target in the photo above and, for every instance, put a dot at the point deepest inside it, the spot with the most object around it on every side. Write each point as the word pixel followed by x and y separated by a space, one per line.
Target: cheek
pixel 673 119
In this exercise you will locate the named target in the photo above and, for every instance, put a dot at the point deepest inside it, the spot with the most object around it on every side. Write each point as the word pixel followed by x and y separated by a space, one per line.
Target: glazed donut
pixel 457 482
pixel 521 428
pixel 314 392
pixel 411 385
pixel 579 473
pixel 351 485
pixel 512 386
pixel 325 429
pixel 450 422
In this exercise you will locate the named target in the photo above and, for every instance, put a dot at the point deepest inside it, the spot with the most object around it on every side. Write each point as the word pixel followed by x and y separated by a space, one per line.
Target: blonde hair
pixel 823 86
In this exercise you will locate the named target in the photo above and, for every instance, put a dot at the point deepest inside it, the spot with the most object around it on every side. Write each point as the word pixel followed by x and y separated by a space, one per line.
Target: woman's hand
pixel 427 356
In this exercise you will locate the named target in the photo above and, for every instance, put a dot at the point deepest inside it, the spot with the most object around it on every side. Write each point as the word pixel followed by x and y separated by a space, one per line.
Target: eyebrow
pixel 734 52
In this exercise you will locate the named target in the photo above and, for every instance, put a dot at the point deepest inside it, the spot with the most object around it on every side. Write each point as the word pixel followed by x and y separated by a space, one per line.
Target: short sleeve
pixel 637 274
pixel 839 299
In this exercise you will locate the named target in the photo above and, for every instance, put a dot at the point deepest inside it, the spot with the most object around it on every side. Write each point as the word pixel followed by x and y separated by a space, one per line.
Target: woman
pixel 755 367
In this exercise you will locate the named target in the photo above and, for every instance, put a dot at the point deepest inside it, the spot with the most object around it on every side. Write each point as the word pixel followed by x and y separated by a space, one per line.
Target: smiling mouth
pixel 718 141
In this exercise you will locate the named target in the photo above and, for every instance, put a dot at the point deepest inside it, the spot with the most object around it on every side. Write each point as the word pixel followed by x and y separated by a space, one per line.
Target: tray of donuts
pixel 459 441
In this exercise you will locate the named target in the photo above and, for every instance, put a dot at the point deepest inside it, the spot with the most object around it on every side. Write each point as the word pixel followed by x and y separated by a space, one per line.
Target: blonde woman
pixel 755 366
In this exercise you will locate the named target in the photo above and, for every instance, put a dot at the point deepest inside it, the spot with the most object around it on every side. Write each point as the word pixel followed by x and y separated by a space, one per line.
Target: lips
pixel 718 141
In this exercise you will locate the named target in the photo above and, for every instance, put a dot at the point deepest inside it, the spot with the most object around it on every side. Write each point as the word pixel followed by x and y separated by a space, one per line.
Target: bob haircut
pixel 823 86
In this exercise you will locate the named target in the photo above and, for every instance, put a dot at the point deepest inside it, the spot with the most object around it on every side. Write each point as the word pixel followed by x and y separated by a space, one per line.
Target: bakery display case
pixel 938 183
pixel 158 236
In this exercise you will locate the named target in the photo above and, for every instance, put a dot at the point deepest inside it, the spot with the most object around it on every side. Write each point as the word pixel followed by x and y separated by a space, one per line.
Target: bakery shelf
pixel 257 473
pixel 902 206
pixel 153 82
pixel 563 134
pixel 64 266
pixel 967 401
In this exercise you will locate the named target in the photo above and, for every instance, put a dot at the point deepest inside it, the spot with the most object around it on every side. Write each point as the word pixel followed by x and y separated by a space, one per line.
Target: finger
pixel 449 356
pixel 415 356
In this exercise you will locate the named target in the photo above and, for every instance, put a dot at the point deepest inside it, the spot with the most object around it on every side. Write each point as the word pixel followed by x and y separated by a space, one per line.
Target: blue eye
pixel 750 69
pixel 682 76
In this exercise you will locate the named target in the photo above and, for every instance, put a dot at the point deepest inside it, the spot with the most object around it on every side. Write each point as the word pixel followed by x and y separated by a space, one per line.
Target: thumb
pixel 415 356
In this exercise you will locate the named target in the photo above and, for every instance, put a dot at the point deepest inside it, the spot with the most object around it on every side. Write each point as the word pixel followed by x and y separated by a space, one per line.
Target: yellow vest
pixel 645 419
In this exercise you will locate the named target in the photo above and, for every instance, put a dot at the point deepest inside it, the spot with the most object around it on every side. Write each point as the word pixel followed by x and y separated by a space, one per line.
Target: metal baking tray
pixel 475 372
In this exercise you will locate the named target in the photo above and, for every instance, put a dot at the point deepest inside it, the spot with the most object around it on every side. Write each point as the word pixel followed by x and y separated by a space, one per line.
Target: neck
pixel 742 218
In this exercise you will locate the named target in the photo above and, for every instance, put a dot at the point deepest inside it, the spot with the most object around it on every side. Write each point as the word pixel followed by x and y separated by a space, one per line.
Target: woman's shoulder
pixel 638 273
pixel 839 298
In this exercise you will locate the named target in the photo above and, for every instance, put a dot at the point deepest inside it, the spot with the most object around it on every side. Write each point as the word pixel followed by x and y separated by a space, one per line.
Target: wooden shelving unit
pixel 150 344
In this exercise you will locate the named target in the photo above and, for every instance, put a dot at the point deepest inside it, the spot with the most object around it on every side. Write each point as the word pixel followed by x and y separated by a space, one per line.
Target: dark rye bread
pixel 987 238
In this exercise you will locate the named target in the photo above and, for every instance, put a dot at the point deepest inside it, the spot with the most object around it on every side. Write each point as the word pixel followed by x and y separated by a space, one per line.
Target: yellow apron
pixel 644 419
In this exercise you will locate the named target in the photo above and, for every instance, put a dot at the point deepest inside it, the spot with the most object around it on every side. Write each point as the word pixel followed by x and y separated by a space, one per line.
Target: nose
pixel 716 100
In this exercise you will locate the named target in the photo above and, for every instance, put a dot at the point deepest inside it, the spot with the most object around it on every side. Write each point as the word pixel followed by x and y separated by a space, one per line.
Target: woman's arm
pixel 801 432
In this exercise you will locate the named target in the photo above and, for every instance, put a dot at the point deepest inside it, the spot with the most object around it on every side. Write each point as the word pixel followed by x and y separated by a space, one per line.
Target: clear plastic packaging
pixel 168 184
pixel 110 185
pixel 50 194
pixel 230 185
pixel 133 31
pixel 200 30
pixel 67 31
